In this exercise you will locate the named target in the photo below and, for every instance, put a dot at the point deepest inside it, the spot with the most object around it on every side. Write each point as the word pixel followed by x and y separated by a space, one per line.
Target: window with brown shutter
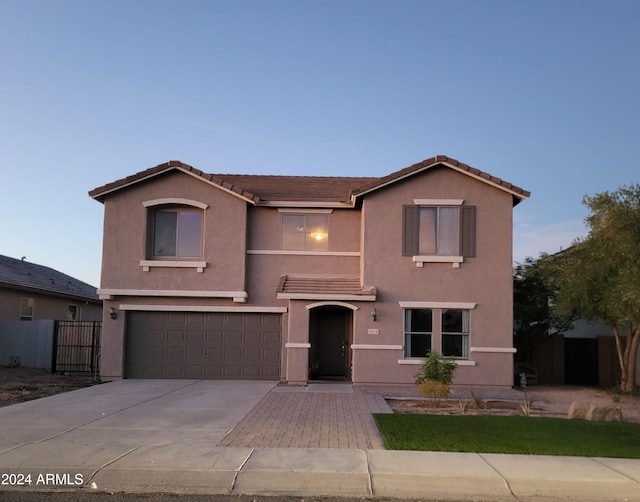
pixel 439 230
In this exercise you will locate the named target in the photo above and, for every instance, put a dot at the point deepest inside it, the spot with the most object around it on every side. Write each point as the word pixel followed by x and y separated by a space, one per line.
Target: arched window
pixel 174 229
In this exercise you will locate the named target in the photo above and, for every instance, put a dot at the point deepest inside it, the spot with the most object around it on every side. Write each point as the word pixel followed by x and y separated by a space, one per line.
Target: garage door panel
pixel 195 336
pixel 214 319
pixel 232 353
pixel 214 336
pixel 203 345
pixel 212 372
pixel 196 318
pixel 176 318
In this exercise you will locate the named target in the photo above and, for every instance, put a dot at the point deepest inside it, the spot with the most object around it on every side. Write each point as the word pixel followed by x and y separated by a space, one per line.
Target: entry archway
pixel 330 337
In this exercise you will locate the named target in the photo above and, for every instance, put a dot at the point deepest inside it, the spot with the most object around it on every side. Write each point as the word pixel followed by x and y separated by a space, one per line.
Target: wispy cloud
pixel 531 240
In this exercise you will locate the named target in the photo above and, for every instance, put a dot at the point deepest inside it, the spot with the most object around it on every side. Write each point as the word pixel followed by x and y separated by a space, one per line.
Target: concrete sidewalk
pixel 166 436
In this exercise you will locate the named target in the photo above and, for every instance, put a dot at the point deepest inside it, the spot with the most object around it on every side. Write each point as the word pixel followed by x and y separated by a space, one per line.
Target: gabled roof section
pixel 518 193
pixel 100 192
pixel 294 191
pixel 21 274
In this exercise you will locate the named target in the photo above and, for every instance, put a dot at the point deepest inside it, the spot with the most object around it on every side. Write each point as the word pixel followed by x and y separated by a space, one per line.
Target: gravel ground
pixel 549 401
pixel 24 384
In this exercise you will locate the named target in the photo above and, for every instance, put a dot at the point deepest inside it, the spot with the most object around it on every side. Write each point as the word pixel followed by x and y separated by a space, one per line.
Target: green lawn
pixel 516 435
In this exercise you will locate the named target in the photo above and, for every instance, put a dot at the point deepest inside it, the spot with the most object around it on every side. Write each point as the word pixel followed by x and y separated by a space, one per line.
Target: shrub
pixel 436 368
pixel 434 377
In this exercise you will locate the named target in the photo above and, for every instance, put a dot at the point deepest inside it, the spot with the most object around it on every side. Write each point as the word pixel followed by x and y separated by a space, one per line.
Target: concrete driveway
pixel 133 412
pixel 161 436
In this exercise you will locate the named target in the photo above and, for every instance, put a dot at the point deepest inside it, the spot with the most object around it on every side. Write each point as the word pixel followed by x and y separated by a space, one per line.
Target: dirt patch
pixel 24 384
pixel 539 401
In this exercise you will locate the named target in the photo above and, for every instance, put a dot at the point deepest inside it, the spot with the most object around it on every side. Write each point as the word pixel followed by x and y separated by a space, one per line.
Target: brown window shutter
pixel 409 230
pixel 468 231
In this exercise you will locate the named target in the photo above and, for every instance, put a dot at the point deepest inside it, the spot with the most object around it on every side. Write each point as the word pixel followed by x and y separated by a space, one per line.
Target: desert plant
pixel 526 406
pixel 478 401
pixel 434 390
pixel 463 405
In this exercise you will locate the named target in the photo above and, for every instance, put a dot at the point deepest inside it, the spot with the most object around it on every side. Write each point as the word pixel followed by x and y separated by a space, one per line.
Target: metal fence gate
pixel 76 346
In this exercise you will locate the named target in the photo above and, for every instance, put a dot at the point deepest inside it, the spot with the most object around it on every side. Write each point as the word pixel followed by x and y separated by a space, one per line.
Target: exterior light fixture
pixel 112 313
pixel 374 314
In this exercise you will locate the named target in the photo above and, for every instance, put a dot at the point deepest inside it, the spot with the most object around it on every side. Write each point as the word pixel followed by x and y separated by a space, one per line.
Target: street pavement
pixel 183 437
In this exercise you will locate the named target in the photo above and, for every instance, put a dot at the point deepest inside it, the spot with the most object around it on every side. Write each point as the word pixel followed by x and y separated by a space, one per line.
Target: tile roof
pixel 330 189
pixel 302 188
pixel 21 274
pixel 322 286
pixel 518 192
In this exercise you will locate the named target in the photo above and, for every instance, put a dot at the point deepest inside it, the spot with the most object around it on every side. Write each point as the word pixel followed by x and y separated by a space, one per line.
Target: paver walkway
pixel 331 415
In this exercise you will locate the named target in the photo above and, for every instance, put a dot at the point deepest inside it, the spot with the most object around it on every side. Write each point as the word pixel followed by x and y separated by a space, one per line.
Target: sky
pixel 543 94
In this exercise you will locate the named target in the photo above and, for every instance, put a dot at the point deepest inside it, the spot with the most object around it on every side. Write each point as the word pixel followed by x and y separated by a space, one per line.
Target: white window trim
pixel 493 350
pixel 304 211
pixel 148 264
pixel 438 202
pixel 455 260
pixel 366 346
pixel 442 306
pixel 302 252
pixel 237 296
pixel 203 308
pixel 416 362
pixel 333 304
pixel 294 345
pixel 175 202
pixel 420 260
pixel 438 305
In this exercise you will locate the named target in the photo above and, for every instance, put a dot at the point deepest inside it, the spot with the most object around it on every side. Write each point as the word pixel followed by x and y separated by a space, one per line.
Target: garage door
pixel 203 345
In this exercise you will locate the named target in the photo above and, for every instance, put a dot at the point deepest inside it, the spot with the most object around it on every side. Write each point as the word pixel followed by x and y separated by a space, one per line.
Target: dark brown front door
pixel 329 337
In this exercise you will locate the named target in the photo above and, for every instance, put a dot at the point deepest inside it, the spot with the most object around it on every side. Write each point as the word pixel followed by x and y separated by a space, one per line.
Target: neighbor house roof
pixel 277 190
pixel 21 274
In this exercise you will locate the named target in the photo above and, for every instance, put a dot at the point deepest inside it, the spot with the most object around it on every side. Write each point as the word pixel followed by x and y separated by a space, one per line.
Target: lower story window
pixel 455 333
pixel 418 328
pixel 26 309
pixel 72 313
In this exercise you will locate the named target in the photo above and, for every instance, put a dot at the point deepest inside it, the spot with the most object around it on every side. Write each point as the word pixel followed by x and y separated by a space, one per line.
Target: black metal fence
pixel 76 347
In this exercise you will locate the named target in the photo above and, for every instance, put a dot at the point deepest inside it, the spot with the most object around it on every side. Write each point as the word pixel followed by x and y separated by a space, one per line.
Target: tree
pixel 599 276
pixel 534 298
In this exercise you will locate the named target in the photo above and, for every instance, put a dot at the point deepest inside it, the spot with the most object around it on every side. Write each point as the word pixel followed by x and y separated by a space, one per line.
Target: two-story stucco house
pixel 292 278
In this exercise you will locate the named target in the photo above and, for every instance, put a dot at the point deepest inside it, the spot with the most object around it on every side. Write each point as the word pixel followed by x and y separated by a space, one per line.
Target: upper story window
pixel 308 232
pixel 438 229
pixel 26 309
pixel 176 232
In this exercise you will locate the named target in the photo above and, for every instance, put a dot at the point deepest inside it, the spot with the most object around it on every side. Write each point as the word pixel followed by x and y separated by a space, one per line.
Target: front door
pixel 329 330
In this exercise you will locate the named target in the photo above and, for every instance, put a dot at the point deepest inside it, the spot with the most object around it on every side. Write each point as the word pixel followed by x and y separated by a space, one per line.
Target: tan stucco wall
pixel 125 233
pixel 485 279
pixel 45 306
